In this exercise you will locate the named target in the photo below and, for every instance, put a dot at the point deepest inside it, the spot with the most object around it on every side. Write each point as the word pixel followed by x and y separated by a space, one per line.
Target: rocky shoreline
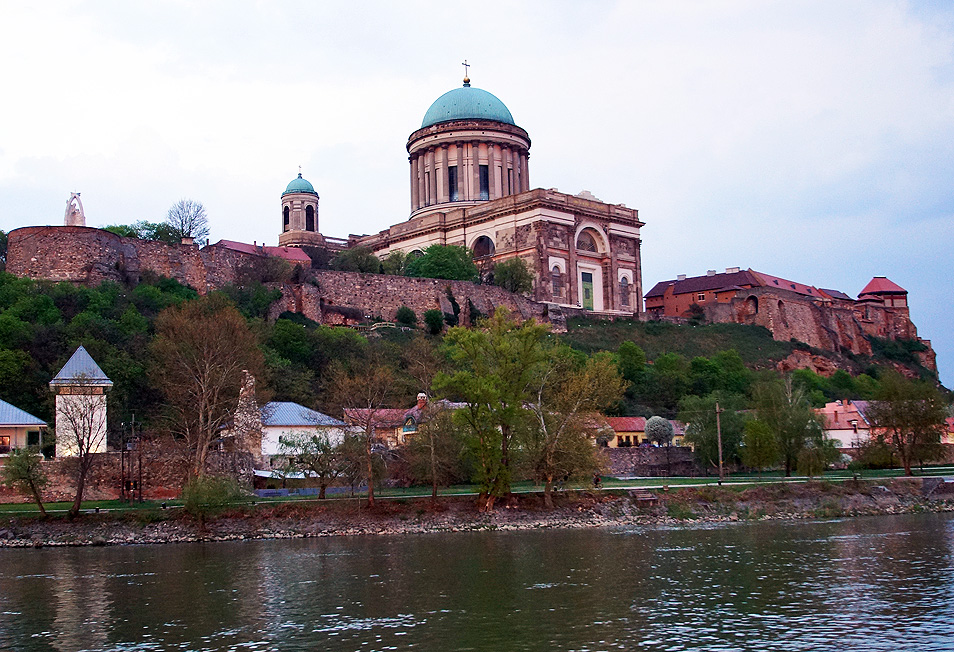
pixel 456 514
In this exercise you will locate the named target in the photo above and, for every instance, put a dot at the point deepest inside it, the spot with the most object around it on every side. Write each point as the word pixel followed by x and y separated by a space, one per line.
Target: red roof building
pixel 881 290
pixel 294 255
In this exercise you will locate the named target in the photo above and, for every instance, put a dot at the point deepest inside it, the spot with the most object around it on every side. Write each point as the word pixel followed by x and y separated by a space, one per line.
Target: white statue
pixel 74 211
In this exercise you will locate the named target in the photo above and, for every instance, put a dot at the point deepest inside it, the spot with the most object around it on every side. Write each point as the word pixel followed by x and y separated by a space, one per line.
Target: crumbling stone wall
pixel 649 461
pixel 163 474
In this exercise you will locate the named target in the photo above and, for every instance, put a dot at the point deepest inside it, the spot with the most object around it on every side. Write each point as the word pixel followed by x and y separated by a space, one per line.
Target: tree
pixel 815 456
pixel 143 230
pixel 187 219
pixel 80 431
pixel 406 317
pixel 356 259
pixel 23 471
pixel 759 447
pixel 434 319
pixel 494 368
pixel 395 263
pixel 566 393
pixel 314 456
pixel 3 250
pixel 659 431
pixel 198 356
pixel 909 416
pixel 787 411
pixel 433 453
pixel 699 412
pixel 513 275
pixel 360 393
pixel 451 262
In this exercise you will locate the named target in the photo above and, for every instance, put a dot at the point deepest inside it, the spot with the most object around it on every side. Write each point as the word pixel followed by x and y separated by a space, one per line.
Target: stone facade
pixel 651 461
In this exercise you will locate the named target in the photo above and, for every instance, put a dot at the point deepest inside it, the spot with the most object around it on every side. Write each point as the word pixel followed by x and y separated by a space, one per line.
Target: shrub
pixel 406 316
pixel 513 275
pixel 209 494
pixel 434 319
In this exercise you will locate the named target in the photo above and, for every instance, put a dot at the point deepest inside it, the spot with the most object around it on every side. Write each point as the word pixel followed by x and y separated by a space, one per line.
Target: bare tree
pixel 200 351
pixel 80 433
pixel 187 219
pixel 313 455
pixel 361 393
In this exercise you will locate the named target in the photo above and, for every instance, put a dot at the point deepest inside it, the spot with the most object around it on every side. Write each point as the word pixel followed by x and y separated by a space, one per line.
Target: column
pixel 475 167
pixel 414 189
pixel 493 192
pixel 442 186
pixel 506 165
pixel 461 172
pixel 524 171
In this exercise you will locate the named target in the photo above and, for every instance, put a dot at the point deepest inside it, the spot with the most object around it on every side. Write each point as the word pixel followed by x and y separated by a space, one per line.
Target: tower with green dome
pixel 300 215
pixel 468 150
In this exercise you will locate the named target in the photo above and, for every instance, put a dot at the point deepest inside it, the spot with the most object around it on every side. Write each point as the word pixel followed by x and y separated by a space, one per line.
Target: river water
pixel 873 583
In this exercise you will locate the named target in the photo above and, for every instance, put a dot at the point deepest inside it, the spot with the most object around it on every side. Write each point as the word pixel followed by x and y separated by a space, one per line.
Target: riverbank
pixel 455 514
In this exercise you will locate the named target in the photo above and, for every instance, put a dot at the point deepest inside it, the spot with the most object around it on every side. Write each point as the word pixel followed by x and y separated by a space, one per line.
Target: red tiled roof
pixel 703 283
pixel 881 285
pixel 627 424
pixel 382 418
pixel 792 286
pixel 291 254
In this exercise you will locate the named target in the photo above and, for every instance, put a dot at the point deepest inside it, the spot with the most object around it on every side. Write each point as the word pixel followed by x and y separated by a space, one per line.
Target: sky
pixel 808 140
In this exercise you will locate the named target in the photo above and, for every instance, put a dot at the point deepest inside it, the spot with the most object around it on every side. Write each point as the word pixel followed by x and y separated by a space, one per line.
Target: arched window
pixel 624 291
pixel 556 280
pixel 483 247
pixel 309 218
pixel 586 242
pixel 286 213
pixel 417 253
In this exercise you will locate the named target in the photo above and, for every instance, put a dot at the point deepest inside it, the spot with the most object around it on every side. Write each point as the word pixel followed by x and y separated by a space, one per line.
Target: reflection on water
pixel 881 583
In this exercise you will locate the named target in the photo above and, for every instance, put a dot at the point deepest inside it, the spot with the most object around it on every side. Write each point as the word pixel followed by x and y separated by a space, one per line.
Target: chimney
pixel 710 272
pixel 421 401
pixel 681 277
pixel 732 270
pixel 188 241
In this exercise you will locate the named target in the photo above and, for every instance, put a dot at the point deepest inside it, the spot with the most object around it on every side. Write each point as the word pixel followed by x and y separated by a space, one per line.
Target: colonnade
pixel 507 171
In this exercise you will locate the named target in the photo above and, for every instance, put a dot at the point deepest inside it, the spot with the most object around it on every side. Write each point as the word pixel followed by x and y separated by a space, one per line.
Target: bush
pixel 406 316
pixel 434 320
pixel 209 494
pixel 513 275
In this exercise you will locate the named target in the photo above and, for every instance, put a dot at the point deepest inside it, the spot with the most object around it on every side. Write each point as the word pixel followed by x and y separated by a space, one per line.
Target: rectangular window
pixel 427 188
pixel 484 182
pixel 510 181
pixel 452 182
pixel 33 438
pixel 702 296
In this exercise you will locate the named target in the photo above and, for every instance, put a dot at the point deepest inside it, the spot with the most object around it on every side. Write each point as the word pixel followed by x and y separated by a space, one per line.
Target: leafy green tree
pixel 759 448
pixel 667 381
pixel 786 410
pixel 815 457
pixel 494 368
pixel 395 263
pixel 434 451
pixel 3 250
pixel 565 393
pixel 909 416
pixel 699 412
pixel 314 456
pixel 207 494
pixel 23 471
pixel 143 230
pixel 356 259
pixel 406 317
pixel 451 262
pixel 513 275
pixel 434 320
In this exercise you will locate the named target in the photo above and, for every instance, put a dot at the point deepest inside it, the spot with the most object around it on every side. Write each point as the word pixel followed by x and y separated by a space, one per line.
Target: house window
pixel 484 182
pixel 702 296
pixel 4 443
pixel 452 182
pixel 556 281
pixel 286 213
pixel 310 218
pixel 624 291
pixel 33 438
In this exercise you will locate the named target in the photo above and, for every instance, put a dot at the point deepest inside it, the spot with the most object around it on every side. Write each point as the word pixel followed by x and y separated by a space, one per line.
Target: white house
pixel 80 389
pixel 282 418
pixel 18 429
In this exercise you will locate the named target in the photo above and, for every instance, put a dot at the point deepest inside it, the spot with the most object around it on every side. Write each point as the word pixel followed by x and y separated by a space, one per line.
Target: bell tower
pixel 300 215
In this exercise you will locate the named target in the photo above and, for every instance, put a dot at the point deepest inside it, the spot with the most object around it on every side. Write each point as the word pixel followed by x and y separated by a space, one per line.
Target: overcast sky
pixel 808 140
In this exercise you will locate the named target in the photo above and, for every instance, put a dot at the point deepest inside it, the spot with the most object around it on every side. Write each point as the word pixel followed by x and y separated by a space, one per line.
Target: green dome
pixel 467 103
pixel 299 185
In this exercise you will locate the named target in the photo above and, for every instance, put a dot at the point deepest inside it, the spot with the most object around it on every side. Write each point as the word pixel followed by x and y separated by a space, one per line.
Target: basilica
pixel 470 186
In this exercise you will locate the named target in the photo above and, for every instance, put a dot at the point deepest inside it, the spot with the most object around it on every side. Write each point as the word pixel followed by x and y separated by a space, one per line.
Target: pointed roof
pixel 80 369
pixel 10 415
pixel 881 285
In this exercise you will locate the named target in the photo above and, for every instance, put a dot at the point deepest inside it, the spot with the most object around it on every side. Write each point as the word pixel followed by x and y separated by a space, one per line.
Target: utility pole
pixel 719 439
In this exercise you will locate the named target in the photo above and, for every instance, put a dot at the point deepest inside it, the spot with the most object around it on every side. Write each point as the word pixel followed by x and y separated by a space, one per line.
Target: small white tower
pixel 80 389
pixel 300 215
